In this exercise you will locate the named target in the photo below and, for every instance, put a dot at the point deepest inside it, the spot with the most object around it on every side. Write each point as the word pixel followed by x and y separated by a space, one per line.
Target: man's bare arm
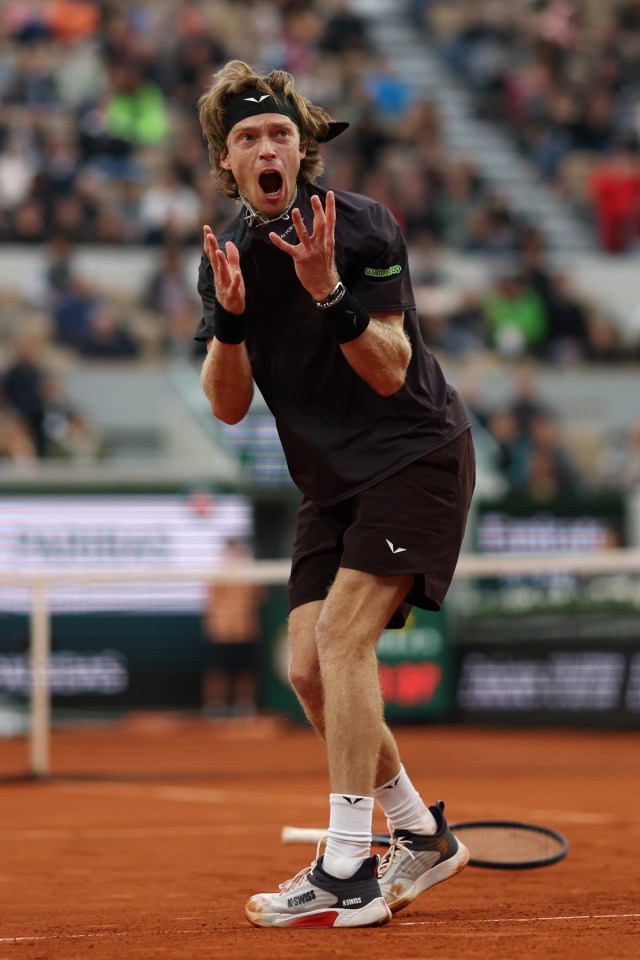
pixel 227 380
pixel 226 376
pixel 381 354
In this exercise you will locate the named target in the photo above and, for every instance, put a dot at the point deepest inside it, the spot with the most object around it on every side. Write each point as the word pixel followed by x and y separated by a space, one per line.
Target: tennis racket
pixel 496 844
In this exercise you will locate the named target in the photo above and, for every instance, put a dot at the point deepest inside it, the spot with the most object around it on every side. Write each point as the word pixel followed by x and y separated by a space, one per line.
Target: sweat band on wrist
pixel 229 327
pixel 347 319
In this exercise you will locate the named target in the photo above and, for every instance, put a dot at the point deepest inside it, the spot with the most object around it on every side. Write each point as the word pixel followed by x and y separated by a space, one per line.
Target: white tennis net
pixel 35 675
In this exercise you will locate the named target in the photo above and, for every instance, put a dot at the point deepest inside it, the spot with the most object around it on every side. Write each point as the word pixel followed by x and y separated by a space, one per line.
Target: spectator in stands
pixel 493 229
pixel 568 319
pixel 68 432
pixel 72 20
pixel 33 85
pixel 37 419
pixel 345 31
pixel 605 344
pixel 136 110
pixel 460 204
pixel 526 404
pixel 619 460
pixel 515 314
pixel 533 258
pixel 369 139
pixel 27 225
pixel 23 390
pixel 25 22
pixel 18 168
pixel 169 209
pixel 74 215
pixel 389 94
pixel 467 325
pixel 512 448
pixel 169 297
pixel 550 468
pixel 594 130
pixel 615 191
pixel 557 138
pixel 412 193
pixel 59 164
pixel 54 279
pixel 73 310
pixel 108 337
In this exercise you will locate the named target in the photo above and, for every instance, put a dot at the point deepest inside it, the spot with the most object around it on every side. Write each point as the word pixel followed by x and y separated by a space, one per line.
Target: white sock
pixel 349 836
pixel 403 806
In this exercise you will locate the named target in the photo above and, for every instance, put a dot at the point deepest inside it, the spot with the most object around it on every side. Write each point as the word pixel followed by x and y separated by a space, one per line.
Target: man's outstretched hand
pixel 313 257
pixel 229 282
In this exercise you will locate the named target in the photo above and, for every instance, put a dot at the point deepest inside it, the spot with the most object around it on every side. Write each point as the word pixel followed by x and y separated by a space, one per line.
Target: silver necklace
pixel 253 215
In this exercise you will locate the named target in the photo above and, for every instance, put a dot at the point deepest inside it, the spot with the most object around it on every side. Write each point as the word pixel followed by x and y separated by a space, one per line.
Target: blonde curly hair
pixel 237 76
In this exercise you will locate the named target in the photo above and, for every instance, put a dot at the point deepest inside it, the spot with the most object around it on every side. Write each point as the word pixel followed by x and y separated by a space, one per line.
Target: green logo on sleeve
pixel 381 273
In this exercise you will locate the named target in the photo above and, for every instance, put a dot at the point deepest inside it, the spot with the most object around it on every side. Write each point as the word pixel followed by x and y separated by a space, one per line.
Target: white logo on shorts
pixel 395 549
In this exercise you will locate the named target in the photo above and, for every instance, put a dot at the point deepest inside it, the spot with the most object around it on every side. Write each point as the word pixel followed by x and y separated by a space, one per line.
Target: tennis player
pixel 307 293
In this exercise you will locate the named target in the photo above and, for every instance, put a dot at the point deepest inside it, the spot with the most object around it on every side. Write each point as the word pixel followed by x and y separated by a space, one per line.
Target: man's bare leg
pixel 355 613
pixel 307 682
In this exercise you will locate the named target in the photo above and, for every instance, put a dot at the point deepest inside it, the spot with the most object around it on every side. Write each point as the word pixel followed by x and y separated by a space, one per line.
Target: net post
pixel 40 646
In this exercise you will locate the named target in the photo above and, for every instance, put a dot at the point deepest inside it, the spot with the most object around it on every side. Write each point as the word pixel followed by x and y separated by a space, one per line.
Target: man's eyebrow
pixel 251 128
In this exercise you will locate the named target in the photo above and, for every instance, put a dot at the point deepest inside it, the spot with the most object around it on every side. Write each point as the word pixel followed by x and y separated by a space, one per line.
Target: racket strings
pixel 509 845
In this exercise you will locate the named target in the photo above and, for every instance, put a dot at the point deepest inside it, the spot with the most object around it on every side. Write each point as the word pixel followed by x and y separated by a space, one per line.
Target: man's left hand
pixel 313 257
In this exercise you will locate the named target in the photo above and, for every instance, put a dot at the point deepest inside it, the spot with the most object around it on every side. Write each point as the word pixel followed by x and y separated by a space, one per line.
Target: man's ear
pixel 224 161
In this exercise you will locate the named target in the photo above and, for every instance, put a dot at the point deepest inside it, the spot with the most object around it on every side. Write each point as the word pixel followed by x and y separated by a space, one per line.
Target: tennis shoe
pixel 415 862
pixel 313 898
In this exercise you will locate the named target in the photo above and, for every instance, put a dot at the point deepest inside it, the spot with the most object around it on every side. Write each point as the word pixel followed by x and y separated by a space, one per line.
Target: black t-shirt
pixel 339 436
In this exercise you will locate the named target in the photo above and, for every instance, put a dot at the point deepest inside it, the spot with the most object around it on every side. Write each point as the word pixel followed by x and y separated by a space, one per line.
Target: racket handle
pixel 315 834
pixel 302 834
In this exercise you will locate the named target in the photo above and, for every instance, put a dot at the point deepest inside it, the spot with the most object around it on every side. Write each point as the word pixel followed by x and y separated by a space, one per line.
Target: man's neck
pixel 255 218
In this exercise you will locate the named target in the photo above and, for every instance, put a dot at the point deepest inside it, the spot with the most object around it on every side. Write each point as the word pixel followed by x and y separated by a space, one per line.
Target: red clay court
pixel 151 835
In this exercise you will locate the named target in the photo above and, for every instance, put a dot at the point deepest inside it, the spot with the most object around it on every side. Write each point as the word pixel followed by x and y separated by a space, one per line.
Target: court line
pixel 217 795
pixel 402 923
pixel 579 916
pixel 206 795
pixel 126 833
pixel 67 936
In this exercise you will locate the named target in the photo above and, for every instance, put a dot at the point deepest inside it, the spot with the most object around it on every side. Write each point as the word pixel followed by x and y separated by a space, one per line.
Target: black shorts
pixel 232 658
pixel 412 522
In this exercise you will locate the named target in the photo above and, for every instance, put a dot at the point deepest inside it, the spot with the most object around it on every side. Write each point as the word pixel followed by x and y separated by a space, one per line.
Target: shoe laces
pixel 396 845
pixel 304 873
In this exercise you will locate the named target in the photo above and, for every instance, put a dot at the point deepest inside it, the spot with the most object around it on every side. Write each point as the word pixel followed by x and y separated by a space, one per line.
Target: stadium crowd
pixel 100 146
pixel 564 76
pixel 99 136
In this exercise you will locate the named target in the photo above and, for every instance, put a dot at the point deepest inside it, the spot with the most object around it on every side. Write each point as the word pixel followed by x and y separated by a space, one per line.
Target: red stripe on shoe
pixel 326 919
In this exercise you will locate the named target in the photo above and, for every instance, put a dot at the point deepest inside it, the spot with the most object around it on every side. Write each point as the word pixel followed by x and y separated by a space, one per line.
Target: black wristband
pixel 347 319
pixel 229 327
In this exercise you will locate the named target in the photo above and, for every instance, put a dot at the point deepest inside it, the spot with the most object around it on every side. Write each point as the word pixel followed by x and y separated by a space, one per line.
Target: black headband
pixel 253 102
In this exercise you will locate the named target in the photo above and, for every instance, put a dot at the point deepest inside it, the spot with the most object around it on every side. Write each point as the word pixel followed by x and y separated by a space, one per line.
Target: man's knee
pixel 306 681
pixel 336 640
pixel 355 613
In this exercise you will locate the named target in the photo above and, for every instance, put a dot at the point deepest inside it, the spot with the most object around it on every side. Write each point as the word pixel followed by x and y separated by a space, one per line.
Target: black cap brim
pixel 336 127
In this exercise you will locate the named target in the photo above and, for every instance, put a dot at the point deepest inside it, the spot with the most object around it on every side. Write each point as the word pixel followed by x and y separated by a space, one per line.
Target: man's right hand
pixel 230 292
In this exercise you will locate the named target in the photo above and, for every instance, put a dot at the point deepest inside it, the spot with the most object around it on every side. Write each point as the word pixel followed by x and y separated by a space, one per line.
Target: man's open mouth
pixel 270 183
